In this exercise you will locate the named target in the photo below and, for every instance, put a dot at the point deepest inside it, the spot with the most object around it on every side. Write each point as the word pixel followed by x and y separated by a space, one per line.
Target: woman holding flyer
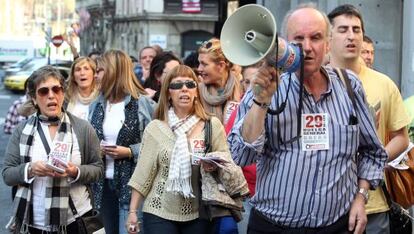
pixel 120 115
pixel 167 175
pixel 52 158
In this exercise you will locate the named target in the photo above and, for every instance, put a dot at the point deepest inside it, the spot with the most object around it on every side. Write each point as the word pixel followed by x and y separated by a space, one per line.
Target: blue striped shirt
pixel 299 188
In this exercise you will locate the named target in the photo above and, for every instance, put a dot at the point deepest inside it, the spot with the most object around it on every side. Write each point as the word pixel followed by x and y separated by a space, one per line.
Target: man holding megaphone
pixel 319 154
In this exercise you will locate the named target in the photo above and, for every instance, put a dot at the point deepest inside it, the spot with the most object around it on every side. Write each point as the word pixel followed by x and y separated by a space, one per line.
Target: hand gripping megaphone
pixel 250 35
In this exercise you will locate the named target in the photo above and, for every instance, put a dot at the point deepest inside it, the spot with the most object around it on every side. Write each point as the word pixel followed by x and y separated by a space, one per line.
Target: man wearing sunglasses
pixel 319 156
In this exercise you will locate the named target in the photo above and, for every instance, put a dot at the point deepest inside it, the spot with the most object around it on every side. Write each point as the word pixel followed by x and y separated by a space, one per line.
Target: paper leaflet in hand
pixel 399 163
pixel 59 156
pixel 219 162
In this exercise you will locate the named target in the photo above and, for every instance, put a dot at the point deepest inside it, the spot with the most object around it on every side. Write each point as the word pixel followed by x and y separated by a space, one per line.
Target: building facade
pixel 132 24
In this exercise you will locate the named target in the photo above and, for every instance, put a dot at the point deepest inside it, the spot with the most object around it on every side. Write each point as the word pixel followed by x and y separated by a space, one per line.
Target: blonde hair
pixel 119 79
pixel 161 112
pixel 212 47
pixel 72 85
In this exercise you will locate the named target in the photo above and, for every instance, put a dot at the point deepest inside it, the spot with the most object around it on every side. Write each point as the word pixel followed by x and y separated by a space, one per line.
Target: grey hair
pixel 41 75
pixel 310 5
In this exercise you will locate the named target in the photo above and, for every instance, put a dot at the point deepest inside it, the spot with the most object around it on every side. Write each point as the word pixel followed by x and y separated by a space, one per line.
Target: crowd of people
pixel 172 146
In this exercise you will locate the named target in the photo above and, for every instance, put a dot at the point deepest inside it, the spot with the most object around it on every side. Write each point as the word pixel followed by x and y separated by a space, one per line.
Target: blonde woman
pixel 220 88
pixel 82 90
pixel 120 114
pixel 168 172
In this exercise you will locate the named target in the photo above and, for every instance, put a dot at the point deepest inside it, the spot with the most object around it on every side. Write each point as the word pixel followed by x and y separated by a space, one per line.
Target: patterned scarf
pixel 179 174
pixel 57 190
pixel 214 102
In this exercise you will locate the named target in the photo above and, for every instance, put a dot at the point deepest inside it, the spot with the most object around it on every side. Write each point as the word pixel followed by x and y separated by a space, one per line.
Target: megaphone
pixel 250 35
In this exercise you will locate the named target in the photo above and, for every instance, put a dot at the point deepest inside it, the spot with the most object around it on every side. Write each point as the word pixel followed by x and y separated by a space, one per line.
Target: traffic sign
pixel 57 40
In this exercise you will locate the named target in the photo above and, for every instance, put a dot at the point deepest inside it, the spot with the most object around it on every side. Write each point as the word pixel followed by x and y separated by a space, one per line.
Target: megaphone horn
pixel 249 35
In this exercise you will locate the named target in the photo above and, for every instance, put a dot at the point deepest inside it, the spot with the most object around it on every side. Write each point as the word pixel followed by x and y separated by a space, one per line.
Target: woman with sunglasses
pixel 44 187
pixel 220 88
pixel 166 179
pixel 82 88
pixel 120 115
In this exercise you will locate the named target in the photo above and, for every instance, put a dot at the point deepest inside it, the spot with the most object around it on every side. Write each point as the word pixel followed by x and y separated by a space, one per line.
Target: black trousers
pixel 71 228
pixel 260 224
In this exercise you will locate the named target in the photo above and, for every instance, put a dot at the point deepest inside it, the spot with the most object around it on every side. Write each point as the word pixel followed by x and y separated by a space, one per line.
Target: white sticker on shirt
pixel 59 156
pixel 315 132
pixel 230 107
pixel 198 148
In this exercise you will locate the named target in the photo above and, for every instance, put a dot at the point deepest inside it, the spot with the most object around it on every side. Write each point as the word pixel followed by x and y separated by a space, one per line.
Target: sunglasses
pixel 45 90
pixel 190 84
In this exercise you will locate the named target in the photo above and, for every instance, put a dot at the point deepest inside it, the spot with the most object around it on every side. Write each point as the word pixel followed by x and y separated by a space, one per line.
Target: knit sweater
pixel 151 173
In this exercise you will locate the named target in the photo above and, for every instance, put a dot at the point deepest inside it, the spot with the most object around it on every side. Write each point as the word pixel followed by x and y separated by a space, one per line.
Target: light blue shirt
pixel 299 188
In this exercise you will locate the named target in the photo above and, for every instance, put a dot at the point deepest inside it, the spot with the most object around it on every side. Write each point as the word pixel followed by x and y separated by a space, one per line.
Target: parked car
pixel 17 66
pixel 15 82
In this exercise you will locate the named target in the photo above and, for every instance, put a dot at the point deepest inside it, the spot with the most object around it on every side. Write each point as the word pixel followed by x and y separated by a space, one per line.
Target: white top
pixel 80 110
pixel 78 192
pixel 112 124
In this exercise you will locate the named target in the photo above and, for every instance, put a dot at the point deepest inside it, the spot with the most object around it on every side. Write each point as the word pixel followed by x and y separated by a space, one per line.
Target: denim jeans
pixel 242 225
pixel 113 213
pixel 156 225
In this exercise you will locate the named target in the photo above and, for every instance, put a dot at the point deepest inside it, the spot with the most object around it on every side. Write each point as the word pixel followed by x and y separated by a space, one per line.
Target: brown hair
pixel 41 75
pixel 161 112
pixel 119 79
pixel 72 86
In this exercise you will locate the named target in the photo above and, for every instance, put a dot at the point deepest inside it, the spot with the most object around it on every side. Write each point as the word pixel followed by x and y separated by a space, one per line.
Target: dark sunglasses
pixel 190 84
pixel 207 44
pixel 45 90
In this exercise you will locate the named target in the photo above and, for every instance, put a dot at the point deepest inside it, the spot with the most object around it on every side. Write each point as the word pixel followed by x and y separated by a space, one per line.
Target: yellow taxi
pixel 16 82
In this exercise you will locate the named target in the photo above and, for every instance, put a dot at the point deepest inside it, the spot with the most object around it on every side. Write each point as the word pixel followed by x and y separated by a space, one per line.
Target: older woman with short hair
pixel 44 188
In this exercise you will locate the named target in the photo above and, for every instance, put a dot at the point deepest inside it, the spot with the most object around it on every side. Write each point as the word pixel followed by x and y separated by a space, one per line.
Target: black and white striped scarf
pixel 179 173
pixel 57 190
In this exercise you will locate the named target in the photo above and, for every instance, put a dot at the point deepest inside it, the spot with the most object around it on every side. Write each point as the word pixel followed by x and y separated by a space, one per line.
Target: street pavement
pixel 6 99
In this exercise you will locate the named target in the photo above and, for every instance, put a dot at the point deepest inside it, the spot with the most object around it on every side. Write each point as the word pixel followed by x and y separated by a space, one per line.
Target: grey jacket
pixel 91 168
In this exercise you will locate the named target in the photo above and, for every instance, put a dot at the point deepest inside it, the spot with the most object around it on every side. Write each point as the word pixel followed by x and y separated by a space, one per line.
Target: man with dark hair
pixel 383 97
pixel 319 156
pixel 368 51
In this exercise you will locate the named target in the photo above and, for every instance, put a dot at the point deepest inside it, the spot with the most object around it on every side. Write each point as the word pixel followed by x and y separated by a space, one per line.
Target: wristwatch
pixel 364 193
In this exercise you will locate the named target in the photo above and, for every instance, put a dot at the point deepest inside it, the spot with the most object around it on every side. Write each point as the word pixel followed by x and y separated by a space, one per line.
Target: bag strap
pixel 345 79
pixel 386 194
pixel 72 207
pixel 207 136
pixel 43 137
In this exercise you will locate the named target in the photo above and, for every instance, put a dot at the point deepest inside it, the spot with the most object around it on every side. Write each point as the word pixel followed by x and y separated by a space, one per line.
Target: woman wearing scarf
pixel 168 172
pixel 41 203
pixel 82 88
pixel 220 88
pixel 120 114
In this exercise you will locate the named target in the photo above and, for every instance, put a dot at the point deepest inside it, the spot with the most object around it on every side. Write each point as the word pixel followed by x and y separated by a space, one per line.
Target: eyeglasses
pixel 190 84
pixel 45 90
